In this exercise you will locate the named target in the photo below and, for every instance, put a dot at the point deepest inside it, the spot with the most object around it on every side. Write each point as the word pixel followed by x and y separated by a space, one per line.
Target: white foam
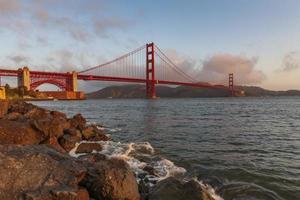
pixel 163 168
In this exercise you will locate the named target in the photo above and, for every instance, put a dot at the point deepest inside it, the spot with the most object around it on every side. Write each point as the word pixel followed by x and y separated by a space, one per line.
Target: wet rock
pixel 78 122
pixel 3 107
pixel 150 170
pixel 15 132
pixel 171 188
pixel 110 179
pixel 38 172
pixel 88 147
pixel 68 142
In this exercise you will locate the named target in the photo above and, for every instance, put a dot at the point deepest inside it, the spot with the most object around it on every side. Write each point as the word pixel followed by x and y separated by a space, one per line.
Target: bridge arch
pixel 61 84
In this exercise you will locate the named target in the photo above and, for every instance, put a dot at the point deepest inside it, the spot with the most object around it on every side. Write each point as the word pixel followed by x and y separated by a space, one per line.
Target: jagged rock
pixel 38 172
pixel 78 122
pixel 109 179
pixel 15 132
pixel 51 127
pixel 88 147
pixel 20 107
pixel 68 142
pixel 171 188
pixel 88 133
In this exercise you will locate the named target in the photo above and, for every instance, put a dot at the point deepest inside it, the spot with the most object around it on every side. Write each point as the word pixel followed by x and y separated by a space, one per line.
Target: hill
pixel 138 91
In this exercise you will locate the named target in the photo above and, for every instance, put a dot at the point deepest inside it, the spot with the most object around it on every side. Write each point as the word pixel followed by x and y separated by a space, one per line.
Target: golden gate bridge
pixel 148 65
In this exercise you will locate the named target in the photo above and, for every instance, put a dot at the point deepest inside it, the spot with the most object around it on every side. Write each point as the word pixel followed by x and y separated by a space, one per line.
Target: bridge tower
pixel 24 77
pixel 71 82
pixel 231 84
pixel 150 72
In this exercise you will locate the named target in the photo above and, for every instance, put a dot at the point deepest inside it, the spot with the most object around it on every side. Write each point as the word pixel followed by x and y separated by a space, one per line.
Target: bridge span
pixel 147 65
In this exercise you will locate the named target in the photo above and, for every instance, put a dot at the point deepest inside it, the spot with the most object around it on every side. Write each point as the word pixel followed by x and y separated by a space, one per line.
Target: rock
pixel 88 147
pixel 73 132
pixel 68 142
pixel 78 122
pixel 51 127
pixel 13 116
pixel 38 172
pixel 20 107
pixel 171 188
pixel 92 133
pixel 37 114
pixel 88 133
pixel 15 132
pixel 110 179
pixel 57 114
pixel 3 107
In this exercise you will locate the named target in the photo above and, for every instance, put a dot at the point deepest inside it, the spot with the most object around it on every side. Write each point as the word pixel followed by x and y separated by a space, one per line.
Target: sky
pixel 258 40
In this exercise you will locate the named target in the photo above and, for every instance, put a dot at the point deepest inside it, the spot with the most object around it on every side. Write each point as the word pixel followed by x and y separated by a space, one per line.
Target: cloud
pixel 291 61
pixel 19 59
pixel 220 65
pixel 216 68
pixel 104 25
pixel 8 6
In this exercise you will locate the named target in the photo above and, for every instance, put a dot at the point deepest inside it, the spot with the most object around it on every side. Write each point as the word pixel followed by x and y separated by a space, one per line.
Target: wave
pixel 144 162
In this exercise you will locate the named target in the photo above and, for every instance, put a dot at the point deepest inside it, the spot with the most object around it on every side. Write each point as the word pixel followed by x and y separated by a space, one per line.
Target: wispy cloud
pixel 291 61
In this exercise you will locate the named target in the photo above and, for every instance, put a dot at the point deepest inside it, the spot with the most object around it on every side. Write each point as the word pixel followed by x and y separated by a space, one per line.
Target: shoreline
pixel 67 149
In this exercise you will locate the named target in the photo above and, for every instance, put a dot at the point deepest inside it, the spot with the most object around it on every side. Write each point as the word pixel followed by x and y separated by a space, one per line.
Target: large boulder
pixel 78 121
pixel 38 172
pixel 172 188
pixel 68 142
pixel 109 178
pixel 16 132
pixel 88 147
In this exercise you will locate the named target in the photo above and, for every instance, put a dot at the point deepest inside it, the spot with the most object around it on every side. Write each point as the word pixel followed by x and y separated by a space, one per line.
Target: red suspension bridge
pixel 147 64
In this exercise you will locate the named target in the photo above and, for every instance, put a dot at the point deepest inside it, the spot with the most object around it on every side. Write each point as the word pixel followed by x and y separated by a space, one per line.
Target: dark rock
pixel 150 170
pixel 99 137
pixel 73 132
pixel 110 179
pixel 78 122
pixel 3 107
pixel 174 189
pixel 38 172
pixel 15 132
pixel 88 147
pixel 68 142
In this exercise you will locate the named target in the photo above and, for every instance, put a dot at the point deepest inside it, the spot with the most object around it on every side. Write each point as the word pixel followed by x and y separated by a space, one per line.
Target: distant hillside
pixel 258 91
pixel 138 91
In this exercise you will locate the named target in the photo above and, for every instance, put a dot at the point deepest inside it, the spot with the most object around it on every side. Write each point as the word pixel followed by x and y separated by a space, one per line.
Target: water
pixel 246 148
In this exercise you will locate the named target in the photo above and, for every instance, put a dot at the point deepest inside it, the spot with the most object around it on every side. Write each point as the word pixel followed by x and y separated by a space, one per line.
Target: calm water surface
pixel 247 148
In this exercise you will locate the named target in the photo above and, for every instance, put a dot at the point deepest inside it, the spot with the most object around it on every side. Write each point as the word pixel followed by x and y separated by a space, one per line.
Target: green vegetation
pixel 22 93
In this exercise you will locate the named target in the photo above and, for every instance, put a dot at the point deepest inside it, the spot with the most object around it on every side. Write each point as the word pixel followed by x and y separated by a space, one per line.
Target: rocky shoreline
pixel 44 155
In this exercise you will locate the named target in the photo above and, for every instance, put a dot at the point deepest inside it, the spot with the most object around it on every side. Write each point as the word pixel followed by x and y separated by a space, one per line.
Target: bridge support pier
pixel 231 84
pixel 24 77
pixel 71 82
pixel 150 72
